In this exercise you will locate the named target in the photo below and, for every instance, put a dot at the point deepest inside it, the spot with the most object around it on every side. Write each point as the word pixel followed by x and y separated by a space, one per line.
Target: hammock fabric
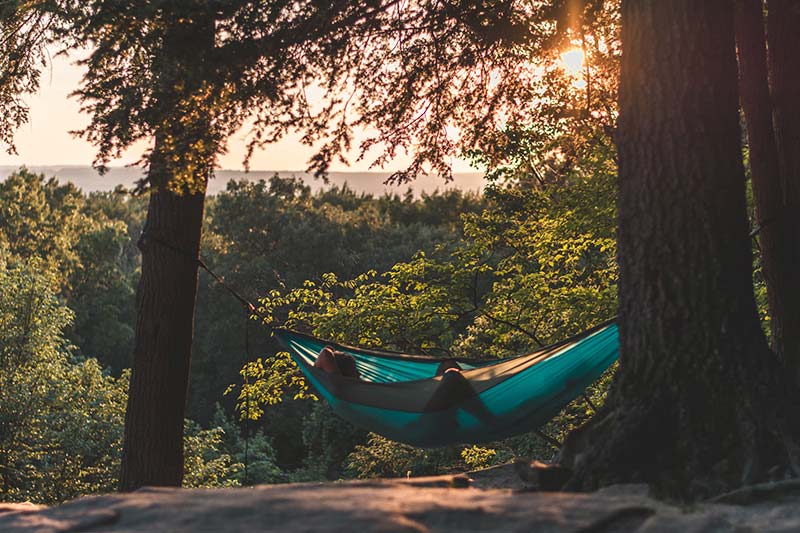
pixel 508 396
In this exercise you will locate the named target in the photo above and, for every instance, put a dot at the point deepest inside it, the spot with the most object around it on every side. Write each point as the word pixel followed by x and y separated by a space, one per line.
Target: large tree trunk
pixel 783 30
pixel 153 447
pixel 179 167
pixel 698 403
pixel 764 168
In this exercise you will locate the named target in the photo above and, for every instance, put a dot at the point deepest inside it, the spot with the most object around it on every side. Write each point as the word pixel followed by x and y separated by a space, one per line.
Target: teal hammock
pixel 507 396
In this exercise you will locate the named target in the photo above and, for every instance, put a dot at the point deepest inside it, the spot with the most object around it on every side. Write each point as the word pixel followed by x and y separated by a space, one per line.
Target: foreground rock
pixel 424 504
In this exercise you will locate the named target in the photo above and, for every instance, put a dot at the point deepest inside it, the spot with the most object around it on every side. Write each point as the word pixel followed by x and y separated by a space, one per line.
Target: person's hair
pixel 346 364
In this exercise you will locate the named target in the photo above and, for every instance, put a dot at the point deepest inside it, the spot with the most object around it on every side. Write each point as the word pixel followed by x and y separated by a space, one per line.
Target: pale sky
pixel 45 139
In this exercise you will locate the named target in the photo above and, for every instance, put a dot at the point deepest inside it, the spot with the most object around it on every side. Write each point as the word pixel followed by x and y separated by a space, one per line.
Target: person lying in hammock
pixel 454 389
pixel 336 362
pixel 343 364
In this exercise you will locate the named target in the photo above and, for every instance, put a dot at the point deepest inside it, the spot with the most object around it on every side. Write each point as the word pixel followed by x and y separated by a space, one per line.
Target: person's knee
pixel 448 365
pixel 326 361
pixel 346 364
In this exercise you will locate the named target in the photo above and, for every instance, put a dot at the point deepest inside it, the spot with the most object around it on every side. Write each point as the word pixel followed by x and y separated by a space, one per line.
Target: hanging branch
pixel 589 401
pixel 548 439
pixel 517 327
pixel 476 308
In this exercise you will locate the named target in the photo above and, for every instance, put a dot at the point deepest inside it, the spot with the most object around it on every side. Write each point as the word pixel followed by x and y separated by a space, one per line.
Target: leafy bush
pixel 62 416
pixel 87 243
pixel 205 463
pixel 476 457
pixel 381 457
pixel 328 440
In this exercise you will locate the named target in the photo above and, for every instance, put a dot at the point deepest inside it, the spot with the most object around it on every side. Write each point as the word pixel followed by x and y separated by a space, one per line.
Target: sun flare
pixel 572 61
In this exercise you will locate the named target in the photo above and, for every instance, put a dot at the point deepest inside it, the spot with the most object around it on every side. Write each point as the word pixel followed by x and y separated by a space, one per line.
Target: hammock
pixel 510 396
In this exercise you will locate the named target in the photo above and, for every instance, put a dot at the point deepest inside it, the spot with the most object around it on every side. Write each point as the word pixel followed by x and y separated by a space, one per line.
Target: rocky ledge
pixel 444 503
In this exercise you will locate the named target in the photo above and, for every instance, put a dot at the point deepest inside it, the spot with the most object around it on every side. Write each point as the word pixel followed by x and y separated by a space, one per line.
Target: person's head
pixel 346 364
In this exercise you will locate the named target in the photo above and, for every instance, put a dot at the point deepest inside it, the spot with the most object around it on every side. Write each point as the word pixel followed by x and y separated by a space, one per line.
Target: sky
pixel 45 139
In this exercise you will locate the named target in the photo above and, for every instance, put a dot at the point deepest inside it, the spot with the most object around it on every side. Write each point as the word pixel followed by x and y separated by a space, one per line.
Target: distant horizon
pixel 243 171
pixel 86 178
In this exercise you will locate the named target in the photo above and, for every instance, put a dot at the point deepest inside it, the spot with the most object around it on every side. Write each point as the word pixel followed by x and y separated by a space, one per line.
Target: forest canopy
pixel 444 245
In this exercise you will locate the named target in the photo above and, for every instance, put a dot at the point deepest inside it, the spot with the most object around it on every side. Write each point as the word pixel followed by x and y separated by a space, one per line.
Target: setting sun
pixel 572 61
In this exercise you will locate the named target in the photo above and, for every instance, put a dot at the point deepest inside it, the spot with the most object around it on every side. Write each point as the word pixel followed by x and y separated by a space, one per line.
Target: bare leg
pixel 326 361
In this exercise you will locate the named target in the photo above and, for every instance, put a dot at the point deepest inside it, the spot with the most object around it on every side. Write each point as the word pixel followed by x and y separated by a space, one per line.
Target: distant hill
pixel 87 179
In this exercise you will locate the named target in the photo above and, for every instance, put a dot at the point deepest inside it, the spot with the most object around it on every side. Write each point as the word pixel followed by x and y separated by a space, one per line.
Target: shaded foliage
pixel 61 415
pixel 89 242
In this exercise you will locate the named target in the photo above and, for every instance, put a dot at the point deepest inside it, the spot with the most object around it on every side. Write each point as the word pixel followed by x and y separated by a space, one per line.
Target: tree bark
pixel 153 447
pixel 783 30
pixel 179 167
pixel 697 405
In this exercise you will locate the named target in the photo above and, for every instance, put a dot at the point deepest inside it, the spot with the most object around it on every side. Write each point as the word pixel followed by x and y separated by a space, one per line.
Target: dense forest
pixel 438 272
pixel 641 162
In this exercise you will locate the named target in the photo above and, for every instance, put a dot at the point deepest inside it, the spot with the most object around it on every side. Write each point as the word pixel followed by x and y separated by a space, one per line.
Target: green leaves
pixel 60 419
pixel 62 416
pixel 266 382
pixel 476 457
pixel 205 462
pixel 381 457
pixel 85 244
pixel 406 308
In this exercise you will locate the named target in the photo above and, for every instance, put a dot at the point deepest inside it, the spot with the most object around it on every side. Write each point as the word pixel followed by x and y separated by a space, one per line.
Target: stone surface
pixel 26 507
pixel 413 505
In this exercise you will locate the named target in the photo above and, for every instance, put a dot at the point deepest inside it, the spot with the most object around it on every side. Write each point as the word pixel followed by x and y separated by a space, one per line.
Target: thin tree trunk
pixel 692 410
pixel 783 30
pixel 179 167
pixel 765 172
